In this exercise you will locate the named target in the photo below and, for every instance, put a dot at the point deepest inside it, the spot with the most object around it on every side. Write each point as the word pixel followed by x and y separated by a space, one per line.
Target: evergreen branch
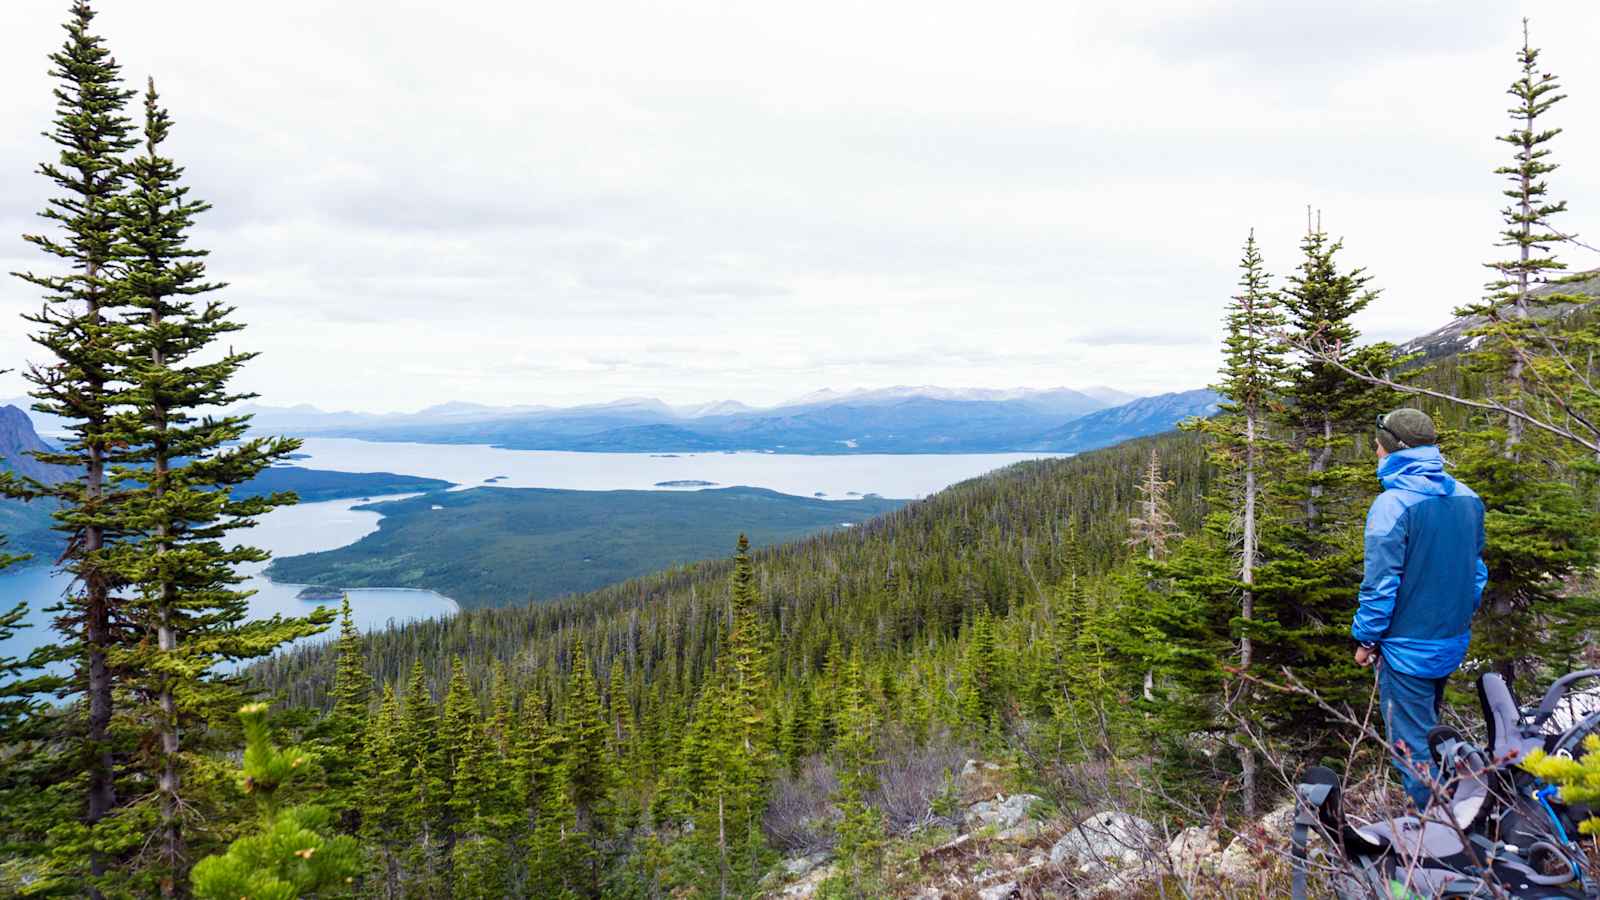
pixel 1333 358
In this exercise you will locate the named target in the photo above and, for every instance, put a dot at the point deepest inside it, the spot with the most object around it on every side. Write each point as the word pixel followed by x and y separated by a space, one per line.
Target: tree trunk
pixel 722 851
pixel 1247 575
pixel 167 641
pixel 97 613
pixel 1321 458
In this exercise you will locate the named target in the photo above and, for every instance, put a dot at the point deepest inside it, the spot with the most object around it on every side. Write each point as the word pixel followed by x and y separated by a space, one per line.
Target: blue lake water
pixel 285 532
pixel 324 526
pixel 905 477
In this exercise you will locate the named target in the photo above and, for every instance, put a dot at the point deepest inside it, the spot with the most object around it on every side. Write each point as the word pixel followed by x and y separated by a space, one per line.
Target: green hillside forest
pixel 1159 627
pixel 491 546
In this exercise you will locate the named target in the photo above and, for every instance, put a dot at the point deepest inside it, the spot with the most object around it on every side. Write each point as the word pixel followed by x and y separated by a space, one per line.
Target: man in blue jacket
pixel 1424 580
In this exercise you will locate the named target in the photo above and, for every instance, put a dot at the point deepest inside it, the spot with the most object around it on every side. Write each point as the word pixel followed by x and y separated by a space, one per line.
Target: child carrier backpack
pixel 1414 857
pixel 1558 724
pixel 1497 830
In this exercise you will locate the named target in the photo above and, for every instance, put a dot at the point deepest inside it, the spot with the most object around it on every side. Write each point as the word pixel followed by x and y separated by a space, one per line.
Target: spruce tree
pixel 458 739
pixel 1325 405
pixel 860 828
pixel 558 864
pixel 1266 583
pixel 24 725
pixel 293 853
pixel 342 733
pixel 1540 532
pixel 982 687
pixel 189 606
pixel 1254 376
pixel 750 758
pixel 590 769
pixel 383 825
pixel 78 328
pixel 419 769
pixel 352 685
pixel 1511 308
pixel 478 865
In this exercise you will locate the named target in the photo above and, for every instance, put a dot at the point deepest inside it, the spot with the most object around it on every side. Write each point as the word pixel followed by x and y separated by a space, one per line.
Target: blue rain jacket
pixel 1424 566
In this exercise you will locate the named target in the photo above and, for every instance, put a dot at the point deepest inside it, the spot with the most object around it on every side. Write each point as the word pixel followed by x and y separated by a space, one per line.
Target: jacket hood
pixel 1417 469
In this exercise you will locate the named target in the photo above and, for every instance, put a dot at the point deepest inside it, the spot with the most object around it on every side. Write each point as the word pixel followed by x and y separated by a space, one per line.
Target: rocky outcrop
pixel 1001 814
pixel 1004 853
pixel 979 781
pixel 1259 851
pixel 1193 853
pixel 1111 839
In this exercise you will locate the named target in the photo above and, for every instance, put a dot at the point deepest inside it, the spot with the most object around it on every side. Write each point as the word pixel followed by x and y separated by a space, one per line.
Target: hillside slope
pixel 1148 415
pixel 904 578
pixel 26 525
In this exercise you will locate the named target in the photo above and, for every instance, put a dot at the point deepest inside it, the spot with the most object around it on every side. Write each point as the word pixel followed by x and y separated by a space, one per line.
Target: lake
pixel 324 526
pixel 285 531
pixel 906 477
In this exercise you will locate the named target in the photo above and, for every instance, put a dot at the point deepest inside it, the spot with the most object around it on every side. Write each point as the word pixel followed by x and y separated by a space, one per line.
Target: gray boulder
pixel 1258 850
pixel 1004 813
pixel 1108 839
pixel 999 892
pixel 1194 852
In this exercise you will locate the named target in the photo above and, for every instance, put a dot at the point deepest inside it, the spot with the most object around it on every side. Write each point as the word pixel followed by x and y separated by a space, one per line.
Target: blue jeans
pixel 1410 708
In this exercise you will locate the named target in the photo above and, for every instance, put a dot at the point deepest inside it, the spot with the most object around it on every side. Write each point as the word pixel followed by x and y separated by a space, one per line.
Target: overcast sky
pixel 554 203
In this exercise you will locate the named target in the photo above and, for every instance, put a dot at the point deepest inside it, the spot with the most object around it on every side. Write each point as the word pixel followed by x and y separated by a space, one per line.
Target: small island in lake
pixel 319 593
pixel 688 482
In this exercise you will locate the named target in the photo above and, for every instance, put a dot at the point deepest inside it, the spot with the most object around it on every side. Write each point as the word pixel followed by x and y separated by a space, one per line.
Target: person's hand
pixel 1366 656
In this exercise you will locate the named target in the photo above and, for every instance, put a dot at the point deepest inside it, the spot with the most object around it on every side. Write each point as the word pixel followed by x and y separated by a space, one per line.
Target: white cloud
pixel 418 202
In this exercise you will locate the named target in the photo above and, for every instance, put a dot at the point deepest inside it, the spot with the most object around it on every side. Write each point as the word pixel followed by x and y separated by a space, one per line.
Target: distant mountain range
pixel 910 419
pixel 903 419
pixel 1131 420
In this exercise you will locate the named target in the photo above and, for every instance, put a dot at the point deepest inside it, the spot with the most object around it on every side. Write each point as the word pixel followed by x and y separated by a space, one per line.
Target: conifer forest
pixel 1158 630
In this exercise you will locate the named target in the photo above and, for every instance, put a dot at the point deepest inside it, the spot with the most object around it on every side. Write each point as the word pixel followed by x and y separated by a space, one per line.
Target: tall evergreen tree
pixel 1326 404
pixel 860 828
pixel 419 770
pixel 458 738
pixel 1539 531
pixel 352 685
pixel 1253 378
pixel 342 734
pixel 1267 581
pixel 173 555
pixel 78 328
pixel 1511 307
pixel 384 824
pixel 590 769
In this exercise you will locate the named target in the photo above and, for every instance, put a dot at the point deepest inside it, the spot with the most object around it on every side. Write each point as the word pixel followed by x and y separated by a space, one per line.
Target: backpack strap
pixel 1309 801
